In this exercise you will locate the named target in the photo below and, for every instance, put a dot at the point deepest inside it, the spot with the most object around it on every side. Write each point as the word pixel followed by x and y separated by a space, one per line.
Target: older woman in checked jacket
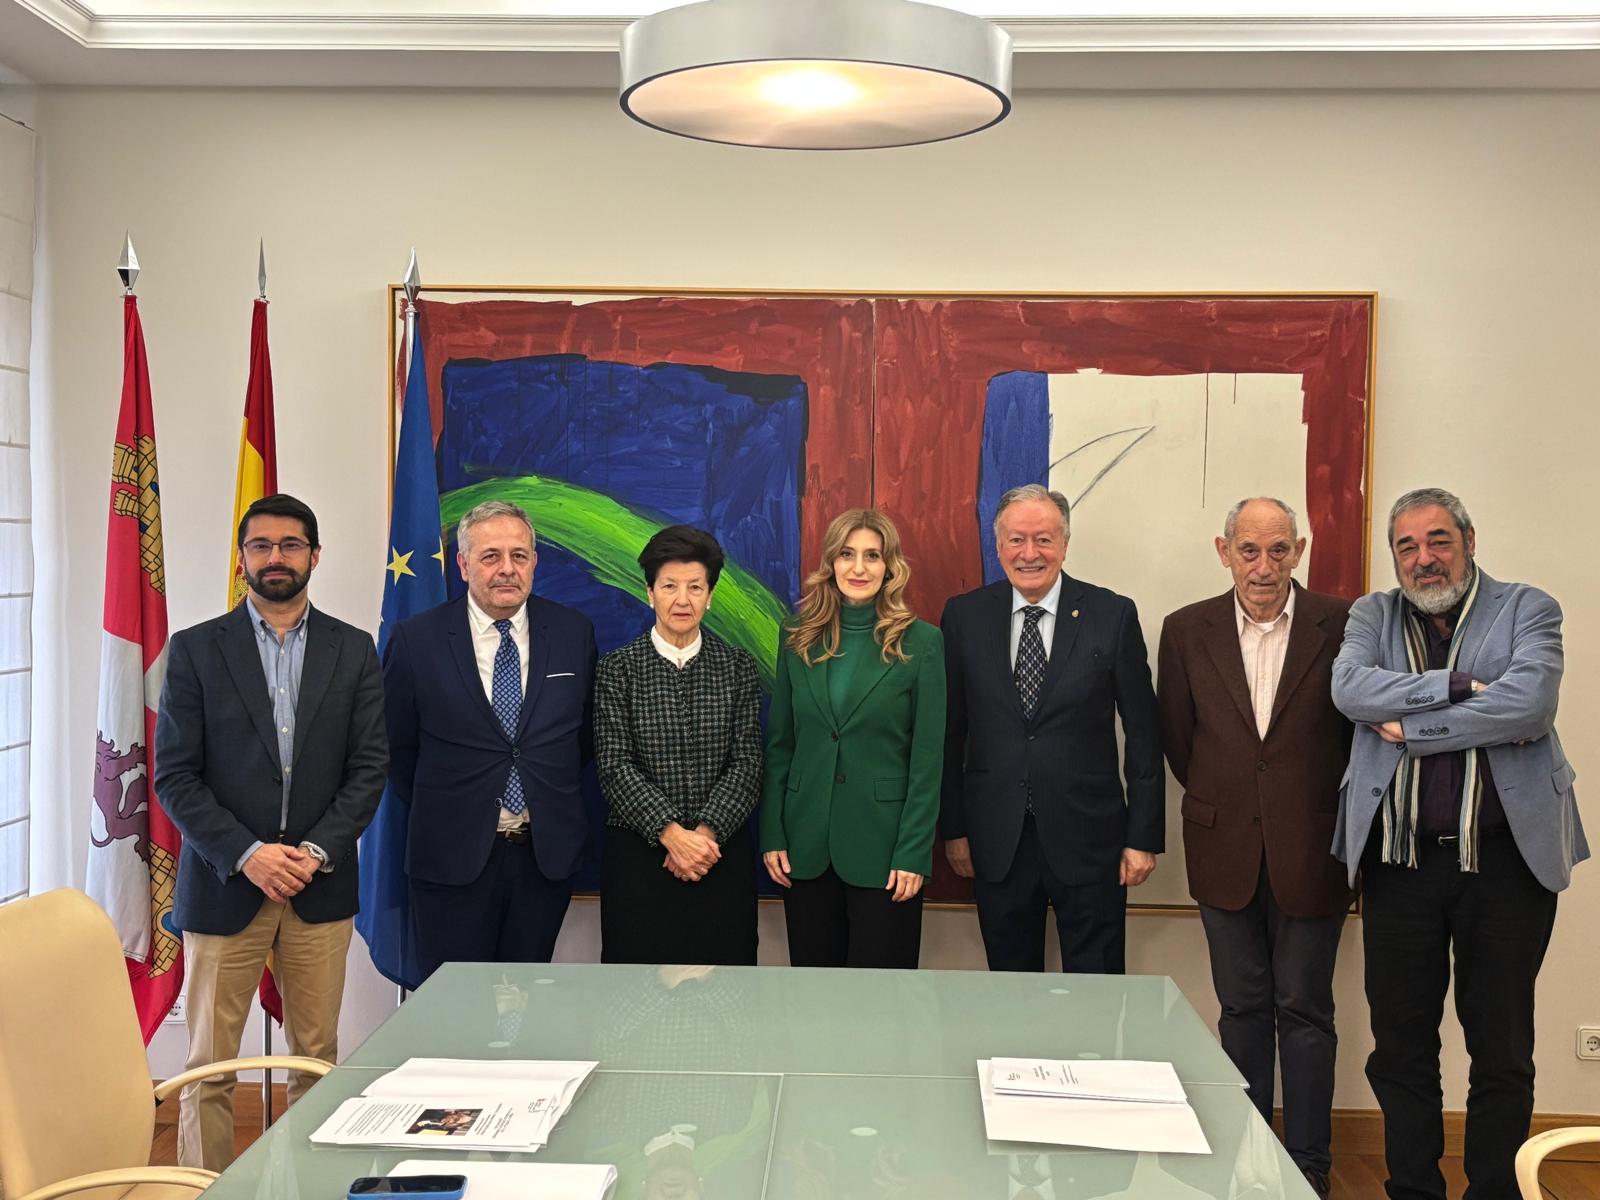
pixel 678 746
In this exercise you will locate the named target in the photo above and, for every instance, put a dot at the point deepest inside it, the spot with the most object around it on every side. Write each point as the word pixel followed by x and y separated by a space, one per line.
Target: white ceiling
pixel 1131 44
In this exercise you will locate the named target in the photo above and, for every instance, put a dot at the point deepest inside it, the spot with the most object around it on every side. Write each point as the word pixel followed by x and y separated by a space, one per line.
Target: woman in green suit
pixel 855 743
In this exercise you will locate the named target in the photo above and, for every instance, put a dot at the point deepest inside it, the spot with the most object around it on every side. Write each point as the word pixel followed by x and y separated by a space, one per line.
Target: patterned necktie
pixel 506 697
pixel 1030 661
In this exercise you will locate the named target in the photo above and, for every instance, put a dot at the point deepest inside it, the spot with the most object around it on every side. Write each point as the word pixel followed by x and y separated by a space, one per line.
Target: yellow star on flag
pixel 440 555
pixel 398 567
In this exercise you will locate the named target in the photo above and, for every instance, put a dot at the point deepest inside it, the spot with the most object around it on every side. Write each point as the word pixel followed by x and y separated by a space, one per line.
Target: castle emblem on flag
pixel 136 493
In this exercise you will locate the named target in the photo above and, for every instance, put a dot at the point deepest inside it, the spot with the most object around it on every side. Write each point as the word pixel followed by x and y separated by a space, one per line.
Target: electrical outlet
pixel 175 1017
pixel 1589 1041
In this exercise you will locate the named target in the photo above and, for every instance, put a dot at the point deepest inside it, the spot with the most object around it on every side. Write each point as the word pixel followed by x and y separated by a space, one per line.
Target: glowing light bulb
pixel 808 88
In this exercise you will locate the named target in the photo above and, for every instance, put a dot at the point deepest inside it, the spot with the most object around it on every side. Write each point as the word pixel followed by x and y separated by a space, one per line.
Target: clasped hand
pixel 904 884
pixel 690 852
pixel 280 871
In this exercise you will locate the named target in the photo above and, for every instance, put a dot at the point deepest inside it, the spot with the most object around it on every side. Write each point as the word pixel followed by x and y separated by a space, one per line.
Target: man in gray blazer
pixel 1459 813
pixel 270 757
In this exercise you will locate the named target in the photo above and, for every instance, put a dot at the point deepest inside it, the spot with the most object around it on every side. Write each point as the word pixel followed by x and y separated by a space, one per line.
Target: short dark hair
pixel 681 543
pixel 282 505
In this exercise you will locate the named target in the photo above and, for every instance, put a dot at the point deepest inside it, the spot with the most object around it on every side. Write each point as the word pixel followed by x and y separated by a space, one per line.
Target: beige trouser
pixel 222 973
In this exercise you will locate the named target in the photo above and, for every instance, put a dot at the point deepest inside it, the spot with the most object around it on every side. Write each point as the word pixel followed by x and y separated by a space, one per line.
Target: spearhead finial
pixel 261 269
pixel 128 264
pixel 412 280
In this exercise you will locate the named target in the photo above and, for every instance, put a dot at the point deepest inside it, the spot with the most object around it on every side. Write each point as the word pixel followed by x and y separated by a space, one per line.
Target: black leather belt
pixel 1453 839
pixel 520 836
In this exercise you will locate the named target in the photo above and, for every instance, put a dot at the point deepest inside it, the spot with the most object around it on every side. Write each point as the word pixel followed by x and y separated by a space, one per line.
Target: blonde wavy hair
pixel 816 623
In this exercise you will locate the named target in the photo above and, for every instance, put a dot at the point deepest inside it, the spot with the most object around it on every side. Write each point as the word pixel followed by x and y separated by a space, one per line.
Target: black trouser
pixel 1090 918
pixel 509 913
pixel 1274 977
pixel 835 924
pixel 1497 921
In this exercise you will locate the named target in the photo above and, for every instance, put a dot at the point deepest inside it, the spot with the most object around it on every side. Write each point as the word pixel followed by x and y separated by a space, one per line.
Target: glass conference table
pixel 778 1082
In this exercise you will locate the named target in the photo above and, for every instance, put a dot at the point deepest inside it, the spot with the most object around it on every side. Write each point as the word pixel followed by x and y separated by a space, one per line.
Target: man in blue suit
pixel 1459 813
pixel 1039 666
pixel 490 704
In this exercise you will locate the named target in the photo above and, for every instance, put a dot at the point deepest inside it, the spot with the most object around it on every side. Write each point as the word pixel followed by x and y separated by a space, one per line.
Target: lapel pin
pixel 1074 612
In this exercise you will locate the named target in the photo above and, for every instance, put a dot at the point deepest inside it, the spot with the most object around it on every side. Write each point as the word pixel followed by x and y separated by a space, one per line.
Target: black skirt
pixel 648 915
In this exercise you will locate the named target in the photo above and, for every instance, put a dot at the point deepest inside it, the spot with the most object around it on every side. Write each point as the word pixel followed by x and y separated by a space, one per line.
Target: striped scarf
pixel 1402 802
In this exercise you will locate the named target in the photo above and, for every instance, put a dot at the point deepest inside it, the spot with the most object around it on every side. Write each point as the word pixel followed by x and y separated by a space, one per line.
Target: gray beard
pixel 1436 600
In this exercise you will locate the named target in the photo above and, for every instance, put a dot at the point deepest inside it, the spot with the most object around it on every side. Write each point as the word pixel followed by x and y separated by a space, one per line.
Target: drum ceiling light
pixel 816 74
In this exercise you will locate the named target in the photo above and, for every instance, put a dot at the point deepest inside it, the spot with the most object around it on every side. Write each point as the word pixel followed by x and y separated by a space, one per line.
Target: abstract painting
pixel 759 417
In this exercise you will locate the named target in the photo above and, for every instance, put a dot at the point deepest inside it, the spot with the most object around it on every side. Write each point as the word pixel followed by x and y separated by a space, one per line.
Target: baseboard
pixel 1359 1131
pixel 246 1105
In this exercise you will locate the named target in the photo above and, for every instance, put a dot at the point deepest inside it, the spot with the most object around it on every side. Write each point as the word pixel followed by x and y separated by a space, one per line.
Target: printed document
pixel 1153 1126
pixel 459 1104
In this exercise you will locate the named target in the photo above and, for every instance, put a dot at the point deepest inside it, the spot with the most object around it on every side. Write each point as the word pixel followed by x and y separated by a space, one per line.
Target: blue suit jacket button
pixel 515 752
pixel 1377 791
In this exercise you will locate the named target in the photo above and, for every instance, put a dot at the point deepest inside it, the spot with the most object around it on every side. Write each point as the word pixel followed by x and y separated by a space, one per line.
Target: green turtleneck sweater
pixel 856 645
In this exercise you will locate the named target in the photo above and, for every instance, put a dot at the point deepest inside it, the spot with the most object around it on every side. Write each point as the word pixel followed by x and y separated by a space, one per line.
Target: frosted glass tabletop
pixel 801 1137
pixel 781 1020
pixel 794 1084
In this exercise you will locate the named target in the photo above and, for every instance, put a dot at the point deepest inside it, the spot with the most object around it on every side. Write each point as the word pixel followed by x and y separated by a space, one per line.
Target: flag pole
pixel 412 284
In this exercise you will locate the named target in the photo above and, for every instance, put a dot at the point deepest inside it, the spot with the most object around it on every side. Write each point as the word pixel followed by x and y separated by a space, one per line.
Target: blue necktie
pixel 507 700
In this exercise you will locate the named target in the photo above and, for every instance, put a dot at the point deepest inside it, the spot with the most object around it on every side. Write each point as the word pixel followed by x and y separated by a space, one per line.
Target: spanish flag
pixel 258 445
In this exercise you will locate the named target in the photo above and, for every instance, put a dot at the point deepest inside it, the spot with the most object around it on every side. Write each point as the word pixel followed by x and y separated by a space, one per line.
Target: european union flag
pixel 414 581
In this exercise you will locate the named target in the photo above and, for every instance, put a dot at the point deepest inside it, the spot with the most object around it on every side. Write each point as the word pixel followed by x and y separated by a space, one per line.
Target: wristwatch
pixel 316 852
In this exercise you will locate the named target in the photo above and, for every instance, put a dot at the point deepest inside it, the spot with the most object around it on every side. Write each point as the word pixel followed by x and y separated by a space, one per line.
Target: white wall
pixel 1473 215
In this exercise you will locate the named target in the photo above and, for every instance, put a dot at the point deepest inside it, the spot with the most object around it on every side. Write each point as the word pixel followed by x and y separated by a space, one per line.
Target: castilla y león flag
pixel 133 859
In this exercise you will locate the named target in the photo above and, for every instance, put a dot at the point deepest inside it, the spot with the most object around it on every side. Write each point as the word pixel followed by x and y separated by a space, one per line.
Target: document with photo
pixel 460 1103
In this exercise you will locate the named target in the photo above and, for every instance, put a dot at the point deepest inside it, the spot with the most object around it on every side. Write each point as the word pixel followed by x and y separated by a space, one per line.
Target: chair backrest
pixel 74 1077
pixel 1540 1146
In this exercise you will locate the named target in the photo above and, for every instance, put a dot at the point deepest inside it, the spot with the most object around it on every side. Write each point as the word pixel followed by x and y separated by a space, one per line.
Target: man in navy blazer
pixel 1039 666
pixel 490 707
pixel 269 759
pixel 1459 813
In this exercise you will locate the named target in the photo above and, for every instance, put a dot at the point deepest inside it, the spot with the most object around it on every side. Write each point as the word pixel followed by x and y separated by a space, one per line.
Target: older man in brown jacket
pixel 1252 735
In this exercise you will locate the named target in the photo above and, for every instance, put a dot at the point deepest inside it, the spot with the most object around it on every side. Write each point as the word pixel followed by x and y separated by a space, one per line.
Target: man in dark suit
pixel 1039 667
pixel 1251 733
pixel 490 707
pixel 269 758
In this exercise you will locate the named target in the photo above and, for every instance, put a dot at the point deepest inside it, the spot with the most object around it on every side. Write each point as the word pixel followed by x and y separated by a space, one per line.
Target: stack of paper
pixel 519 1181
pixel 459 1104
pixel 1108 1105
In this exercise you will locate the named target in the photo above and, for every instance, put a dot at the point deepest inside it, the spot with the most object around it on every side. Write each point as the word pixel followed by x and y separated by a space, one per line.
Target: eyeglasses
pixel 291 547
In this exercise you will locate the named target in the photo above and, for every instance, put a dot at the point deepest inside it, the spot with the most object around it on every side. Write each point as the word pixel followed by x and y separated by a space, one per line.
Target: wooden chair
pixel 77 1113
pixel 1540 1146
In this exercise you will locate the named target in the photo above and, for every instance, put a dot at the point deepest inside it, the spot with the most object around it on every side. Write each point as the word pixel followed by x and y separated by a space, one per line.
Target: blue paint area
pixel 720 450
pixel 1015 449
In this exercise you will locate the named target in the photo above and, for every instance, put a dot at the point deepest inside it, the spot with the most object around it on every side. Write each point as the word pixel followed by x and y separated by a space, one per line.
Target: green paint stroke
pixel 608 537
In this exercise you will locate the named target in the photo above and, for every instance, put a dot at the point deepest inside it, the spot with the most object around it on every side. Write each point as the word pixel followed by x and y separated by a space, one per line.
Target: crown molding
pixel 531 27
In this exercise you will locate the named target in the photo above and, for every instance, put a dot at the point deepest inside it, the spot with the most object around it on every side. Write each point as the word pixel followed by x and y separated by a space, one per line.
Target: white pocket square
pixel 561 675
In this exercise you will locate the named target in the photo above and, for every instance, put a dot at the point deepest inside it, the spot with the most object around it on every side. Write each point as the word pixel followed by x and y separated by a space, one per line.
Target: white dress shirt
pixel 1263 646
pixel 678 656
pixel 485 644
pixel 1047 623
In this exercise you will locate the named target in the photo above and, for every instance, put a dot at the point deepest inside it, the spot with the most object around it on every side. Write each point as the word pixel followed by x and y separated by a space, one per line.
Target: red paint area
pixel 897 389
pixel 828 343
pixel 936 358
